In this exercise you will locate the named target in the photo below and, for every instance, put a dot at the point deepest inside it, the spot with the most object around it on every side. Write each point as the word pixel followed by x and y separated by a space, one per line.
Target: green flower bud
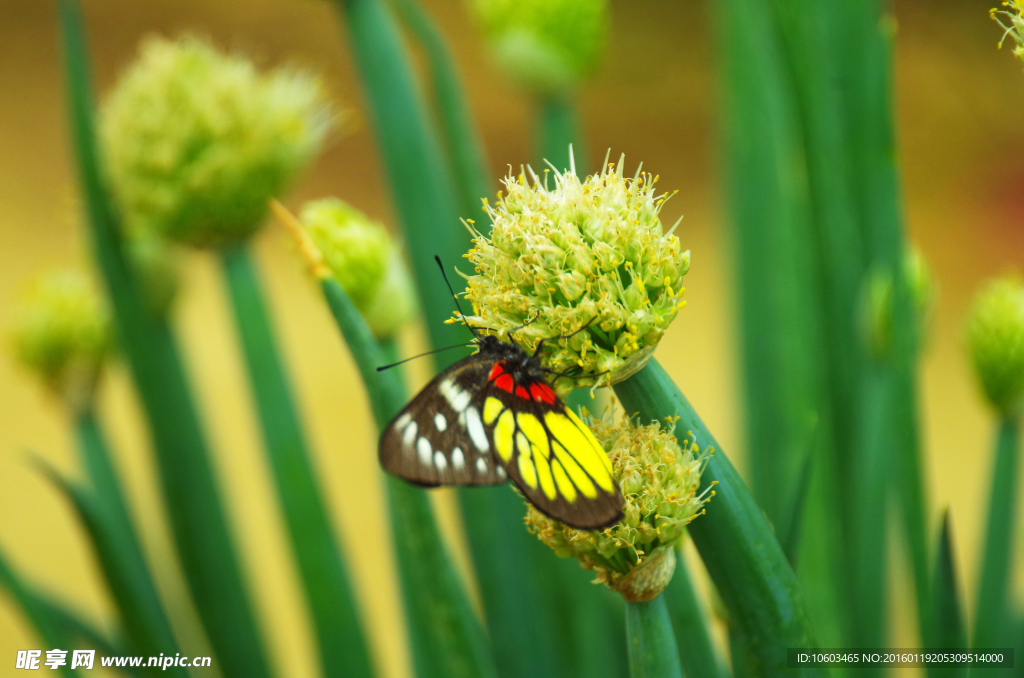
pixel 545 45
pixel 659 479
pixel 62 332
pixel 1013 27
pixel 364 259
pixel 995 339
pixel 197 141
pixel 877 321
pixel 586 259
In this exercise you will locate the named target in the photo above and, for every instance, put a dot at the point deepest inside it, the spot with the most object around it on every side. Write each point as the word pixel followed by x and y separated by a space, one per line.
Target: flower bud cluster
pixel 582 258
pixel 366 262
pixel 63 333
pixel 995 339
pixel 196 141
pixel 659 479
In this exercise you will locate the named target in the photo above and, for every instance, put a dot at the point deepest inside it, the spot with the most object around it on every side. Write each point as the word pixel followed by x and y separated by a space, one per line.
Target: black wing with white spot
pixel 439 438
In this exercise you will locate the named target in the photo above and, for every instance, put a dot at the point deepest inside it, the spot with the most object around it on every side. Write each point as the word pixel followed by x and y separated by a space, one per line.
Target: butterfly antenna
pixel 387 367
pixel 457 306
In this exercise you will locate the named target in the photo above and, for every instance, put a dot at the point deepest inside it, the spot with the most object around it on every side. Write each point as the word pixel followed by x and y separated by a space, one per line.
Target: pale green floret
pixel 545 45
pixel 877 313
pixel 1014 26
pixel 63 333
pixel 559 257
pixel 659 479
pixel 196 141
pixel 995 339
pixel 365 260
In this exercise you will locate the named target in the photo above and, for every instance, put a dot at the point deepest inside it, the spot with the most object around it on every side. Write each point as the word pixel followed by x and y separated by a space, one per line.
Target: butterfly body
pixel 492 417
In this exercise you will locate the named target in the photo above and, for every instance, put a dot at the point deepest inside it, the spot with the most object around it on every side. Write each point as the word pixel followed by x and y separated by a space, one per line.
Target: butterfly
pixel 492 417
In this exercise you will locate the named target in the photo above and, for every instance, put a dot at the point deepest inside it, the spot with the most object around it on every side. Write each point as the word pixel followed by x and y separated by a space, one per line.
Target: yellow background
pixel 960 106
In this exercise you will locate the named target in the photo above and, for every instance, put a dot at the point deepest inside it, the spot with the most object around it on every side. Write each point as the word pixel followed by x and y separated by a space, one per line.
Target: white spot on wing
pixel 481 465
pixel 476 429
pixel 458 459
pixel 440 461
pixel 409 436
pixel 403 421
pixel 455 396
pixel 501 473
pixel 423 450
pixel 440 422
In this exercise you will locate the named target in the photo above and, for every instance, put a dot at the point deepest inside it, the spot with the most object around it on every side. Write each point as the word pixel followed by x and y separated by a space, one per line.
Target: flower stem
pixel 698 655
pixel 329 595
pixel 651 642
pixel 734 538
pixel 559 128
pixel 447 639
pixel 198 523
pixel 991 618
pixel 465 148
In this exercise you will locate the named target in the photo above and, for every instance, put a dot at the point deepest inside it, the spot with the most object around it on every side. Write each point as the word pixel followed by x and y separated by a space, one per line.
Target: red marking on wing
pixel 542 393
pixel 522 392
pixel 496 371
pixel 504 382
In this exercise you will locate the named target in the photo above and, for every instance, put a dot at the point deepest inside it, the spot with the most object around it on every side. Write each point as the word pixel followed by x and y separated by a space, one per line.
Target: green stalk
pixel 782 323
pixel 198 524
pixel 447 640
pixel 426 204
pixel 465 147
pixel 75 628
pixel 949 630
pixel 559 127
pixel 696 652
pixel 38 613
pixel 417 172
pixel 734 538
pixel 871 467
pixel 652 644
pixel 992 618
pixel 866 83
pixel 341 641
pixel 106 518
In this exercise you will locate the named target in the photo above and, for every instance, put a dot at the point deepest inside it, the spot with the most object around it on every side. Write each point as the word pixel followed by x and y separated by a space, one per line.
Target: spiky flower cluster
pixel 582 258
pixel 362 256
pixel 545 45
pixel 1013 26
pixel 63 333
pixel 196 141
pixel 659 479
pixel 995 339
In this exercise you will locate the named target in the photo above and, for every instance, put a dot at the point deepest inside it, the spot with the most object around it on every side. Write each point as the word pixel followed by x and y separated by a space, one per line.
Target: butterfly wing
pixel 439 438
pixel 550 454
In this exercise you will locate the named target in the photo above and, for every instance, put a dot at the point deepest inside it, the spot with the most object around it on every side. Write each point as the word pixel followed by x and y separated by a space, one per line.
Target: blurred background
pixel 960 105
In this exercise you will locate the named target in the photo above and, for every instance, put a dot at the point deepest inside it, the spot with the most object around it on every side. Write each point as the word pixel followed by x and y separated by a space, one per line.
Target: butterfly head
pixel 523 367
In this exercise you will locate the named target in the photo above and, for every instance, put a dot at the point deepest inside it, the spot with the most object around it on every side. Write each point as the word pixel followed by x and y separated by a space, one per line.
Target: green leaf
pixel 651 642
pixel 465 148
pixel 949 629
pixel 126 574
pixel 734 538
pixel 689 621
pixel 49 626
pixel 197 518
pixel 447 639
pixel 790 531
pixel 340 637
pixel 992 618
